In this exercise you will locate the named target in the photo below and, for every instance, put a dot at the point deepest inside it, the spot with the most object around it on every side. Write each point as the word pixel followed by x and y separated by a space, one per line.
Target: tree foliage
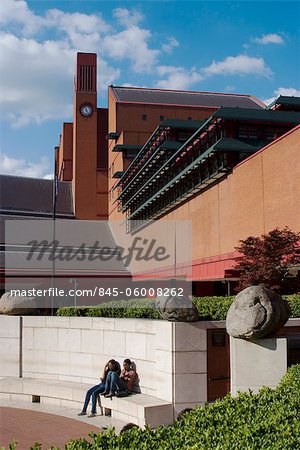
pixel 268 259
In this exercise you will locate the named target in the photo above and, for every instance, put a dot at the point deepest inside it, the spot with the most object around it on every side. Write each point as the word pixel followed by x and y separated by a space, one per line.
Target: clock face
pixel 86 110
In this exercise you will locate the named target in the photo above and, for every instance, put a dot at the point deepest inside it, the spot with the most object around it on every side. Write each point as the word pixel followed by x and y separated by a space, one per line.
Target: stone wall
pixel 257 363
pixel 170 357
pixel 10 339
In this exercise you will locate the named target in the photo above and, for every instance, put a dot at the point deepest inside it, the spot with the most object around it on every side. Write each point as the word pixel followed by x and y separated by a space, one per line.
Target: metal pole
pixel 228 288
pixel 54 196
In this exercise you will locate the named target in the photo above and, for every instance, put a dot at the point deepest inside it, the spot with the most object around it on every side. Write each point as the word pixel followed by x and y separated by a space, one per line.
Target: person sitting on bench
pixel 120 385
pixel 111 366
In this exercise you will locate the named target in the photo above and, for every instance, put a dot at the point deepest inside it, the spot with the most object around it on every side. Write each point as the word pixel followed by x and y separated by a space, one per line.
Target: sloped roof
pixel 184 98
pixel 34 196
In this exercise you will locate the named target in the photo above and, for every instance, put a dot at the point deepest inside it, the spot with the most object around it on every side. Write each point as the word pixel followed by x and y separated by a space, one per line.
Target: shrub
pixel 209 308
pixel 137 308
pixel 212 308
pixel 294 302
pixel 268 420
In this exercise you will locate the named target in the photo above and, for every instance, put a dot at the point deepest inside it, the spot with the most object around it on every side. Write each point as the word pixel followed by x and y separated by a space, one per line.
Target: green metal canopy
pixel 231 144
pixel 285 100
pixel 125 147
pixel 117 174
pixel 171 145
pixel 183 124
pixel 262 115
pixel 113 135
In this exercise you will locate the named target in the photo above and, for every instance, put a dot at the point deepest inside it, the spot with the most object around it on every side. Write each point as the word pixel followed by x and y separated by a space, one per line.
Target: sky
pixel 240 47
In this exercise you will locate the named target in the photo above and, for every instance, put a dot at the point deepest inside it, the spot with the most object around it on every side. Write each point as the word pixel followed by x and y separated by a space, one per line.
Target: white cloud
pixel 287 91
pixel 83 31
pixel 127 18
pixel 131 44
pixel 283 91
pixel 134 85
pixel 43 89
pixel 230 88
pixel 49 176
pixel 17 12
pixel 14 12
pixel 271 38
pixel 23 167
pixel 38 92
pixel 177 77
pixel 170 45
pixel 239 65
pixel 76 22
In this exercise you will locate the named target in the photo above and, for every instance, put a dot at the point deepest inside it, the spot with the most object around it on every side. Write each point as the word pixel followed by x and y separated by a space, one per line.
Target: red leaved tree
pixel 268 260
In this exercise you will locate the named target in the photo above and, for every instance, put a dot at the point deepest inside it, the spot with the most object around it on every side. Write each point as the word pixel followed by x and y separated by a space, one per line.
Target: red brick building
pixel 225 161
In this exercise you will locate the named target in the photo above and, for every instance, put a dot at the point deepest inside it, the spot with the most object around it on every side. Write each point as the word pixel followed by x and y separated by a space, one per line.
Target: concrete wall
pixel 170 357
pixel 10 340
pixel 257 363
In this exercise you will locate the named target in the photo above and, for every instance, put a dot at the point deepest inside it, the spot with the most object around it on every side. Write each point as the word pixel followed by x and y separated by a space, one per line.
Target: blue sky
pixel 245 47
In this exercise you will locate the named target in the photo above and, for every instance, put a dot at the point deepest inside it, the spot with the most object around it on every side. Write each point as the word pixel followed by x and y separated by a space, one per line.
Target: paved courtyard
pixel 29 423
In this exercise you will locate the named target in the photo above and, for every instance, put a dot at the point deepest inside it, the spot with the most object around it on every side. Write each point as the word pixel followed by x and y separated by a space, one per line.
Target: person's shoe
pixel 82 413
pixel 92 415
pixel 109 395
pixel 104 393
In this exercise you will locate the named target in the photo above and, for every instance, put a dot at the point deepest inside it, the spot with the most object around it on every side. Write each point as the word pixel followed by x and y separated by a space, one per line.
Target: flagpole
pixel 54 198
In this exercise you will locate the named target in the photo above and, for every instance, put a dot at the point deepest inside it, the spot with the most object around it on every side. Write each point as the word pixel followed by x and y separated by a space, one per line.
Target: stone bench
pixel 140 409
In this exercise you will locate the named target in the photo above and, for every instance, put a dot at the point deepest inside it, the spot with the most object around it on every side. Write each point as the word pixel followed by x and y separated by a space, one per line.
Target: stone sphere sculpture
pixel 15 305
pixel 256 312
pixel 177 309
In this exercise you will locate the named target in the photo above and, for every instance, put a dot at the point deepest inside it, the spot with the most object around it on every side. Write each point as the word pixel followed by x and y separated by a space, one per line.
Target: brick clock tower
pixel 84 179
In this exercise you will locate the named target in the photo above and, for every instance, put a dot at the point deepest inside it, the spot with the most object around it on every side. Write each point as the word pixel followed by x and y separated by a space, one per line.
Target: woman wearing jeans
pixel 123 383
pixel 111 367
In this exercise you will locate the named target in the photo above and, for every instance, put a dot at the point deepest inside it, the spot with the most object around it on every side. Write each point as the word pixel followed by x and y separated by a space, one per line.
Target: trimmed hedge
pixel 269 420
pixel 137 308
pixel 212 308
pixel 209 308
pixel 294 302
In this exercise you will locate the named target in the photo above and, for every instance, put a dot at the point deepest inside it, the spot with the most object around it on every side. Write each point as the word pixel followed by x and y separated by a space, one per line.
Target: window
pixel 273 133
pixel 144 117
pixel 248 132
pixel 183 136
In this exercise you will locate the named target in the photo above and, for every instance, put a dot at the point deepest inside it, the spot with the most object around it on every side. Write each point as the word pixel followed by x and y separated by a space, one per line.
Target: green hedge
pixel 269 420
pixel 212 308
pixel 294 302
pixel 137 308
pixel 209 308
